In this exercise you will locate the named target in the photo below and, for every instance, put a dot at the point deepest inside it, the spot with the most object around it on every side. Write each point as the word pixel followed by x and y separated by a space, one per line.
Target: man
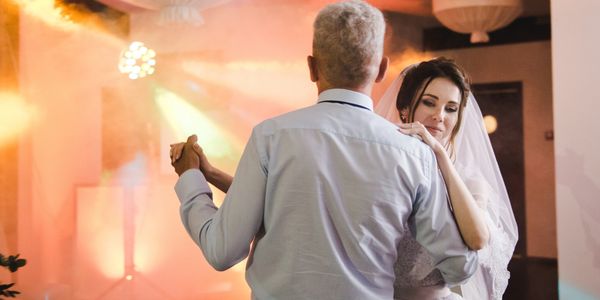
pixel 323 193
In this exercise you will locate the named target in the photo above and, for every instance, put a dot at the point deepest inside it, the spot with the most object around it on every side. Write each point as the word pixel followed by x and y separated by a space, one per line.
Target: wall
pixel 9 72
pixel 61 75
pixel 575 68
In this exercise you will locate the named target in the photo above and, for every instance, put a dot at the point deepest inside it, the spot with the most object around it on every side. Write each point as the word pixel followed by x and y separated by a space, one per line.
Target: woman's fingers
pixel 417 130
pixel 176 150
pixel 412 128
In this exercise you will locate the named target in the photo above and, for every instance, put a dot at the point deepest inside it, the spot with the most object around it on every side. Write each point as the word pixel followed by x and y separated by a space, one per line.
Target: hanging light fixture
pixel 477 17
pixel 181 12
pixel 176 12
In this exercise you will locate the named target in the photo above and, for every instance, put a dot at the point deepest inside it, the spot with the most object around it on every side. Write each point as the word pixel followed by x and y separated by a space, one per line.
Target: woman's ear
pixel 404 115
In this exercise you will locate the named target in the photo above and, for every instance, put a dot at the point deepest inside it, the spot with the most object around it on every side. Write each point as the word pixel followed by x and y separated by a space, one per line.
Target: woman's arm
pixel 214 176
pixel 469 216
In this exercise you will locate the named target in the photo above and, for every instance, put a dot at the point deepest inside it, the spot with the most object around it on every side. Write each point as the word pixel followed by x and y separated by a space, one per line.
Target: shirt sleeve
pixel 224 234
pixel 436 230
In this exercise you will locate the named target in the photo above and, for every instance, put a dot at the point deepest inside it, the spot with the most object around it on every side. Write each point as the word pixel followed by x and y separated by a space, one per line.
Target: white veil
pixel 477 166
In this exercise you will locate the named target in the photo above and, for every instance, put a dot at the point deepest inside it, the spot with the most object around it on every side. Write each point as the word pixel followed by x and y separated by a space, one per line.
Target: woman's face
pixel 438 108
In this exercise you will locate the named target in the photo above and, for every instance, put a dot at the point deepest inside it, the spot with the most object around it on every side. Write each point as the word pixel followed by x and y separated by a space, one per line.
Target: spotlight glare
pixel 491 123
pixel 136 61
pixel 16 116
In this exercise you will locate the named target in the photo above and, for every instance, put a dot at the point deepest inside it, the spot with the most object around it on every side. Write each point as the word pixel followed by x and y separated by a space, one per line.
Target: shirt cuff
pixel 190 184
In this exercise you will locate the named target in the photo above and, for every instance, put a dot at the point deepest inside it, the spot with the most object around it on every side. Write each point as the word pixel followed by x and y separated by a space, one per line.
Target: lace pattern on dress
pixel 494 259
pixel 414 266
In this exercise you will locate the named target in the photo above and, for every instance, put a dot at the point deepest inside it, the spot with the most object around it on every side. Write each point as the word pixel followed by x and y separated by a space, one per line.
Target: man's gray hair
pixel 348 42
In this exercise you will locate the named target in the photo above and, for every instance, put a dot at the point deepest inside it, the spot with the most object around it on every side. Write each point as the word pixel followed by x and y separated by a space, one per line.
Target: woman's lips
pixel 433 129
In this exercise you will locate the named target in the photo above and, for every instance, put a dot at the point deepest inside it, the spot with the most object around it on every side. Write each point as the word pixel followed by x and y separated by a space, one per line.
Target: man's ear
pixel 383 66
pixel 312 67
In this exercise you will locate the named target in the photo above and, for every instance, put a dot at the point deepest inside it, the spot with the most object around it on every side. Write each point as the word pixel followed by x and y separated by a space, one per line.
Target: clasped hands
pixel 188 155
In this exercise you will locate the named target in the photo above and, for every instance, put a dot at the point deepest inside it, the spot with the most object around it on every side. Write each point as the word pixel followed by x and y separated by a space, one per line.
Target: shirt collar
pixel 347 96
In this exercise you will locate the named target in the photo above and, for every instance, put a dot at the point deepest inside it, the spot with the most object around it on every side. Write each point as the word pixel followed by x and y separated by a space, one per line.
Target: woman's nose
pixel 438 115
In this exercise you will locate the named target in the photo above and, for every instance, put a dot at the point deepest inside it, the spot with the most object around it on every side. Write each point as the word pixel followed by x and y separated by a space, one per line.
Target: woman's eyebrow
pixel 432 96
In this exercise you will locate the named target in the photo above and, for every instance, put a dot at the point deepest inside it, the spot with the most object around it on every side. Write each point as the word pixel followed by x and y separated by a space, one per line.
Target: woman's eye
pixel 451 109
pixel 428 102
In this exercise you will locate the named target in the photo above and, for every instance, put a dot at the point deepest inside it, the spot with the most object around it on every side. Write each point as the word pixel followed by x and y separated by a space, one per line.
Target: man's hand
pixel 205 167
pixel 187 157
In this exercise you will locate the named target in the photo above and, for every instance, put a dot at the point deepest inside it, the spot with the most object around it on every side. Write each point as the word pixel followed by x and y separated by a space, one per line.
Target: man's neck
pixel 366 89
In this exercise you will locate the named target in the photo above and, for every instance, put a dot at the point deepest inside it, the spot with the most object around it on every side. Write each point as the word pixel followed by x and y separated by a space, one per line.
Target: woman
pixel 432 101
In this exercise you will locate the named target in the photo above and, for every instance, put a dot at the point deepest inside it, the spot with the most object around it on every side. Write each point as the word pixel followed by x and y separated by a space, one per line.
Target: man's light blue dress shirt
pixel 323 194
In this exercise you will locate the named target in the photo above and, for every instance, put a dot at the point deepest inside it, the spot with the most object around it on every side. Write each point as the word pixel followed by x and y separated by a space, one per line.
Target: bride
pixel 432 101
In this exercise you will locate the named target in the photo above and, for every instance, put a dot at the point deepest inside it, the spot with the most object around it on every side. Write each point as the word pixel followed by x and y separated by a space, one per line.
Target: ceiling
pixel 412 7
pixel 124 5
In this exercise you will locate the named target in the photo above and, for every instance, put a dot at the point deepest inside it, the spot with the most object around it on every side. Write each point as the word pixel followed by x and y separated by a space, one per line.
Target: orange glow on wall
pixel 15 117
pixel 268 81
pixel 48 12
pixel 100 231
pixel 404 59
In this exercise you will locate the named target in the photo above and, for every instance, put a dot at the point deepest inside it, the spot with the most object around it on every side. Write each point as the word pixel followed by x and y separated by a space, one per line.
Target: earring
pixel 403 116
